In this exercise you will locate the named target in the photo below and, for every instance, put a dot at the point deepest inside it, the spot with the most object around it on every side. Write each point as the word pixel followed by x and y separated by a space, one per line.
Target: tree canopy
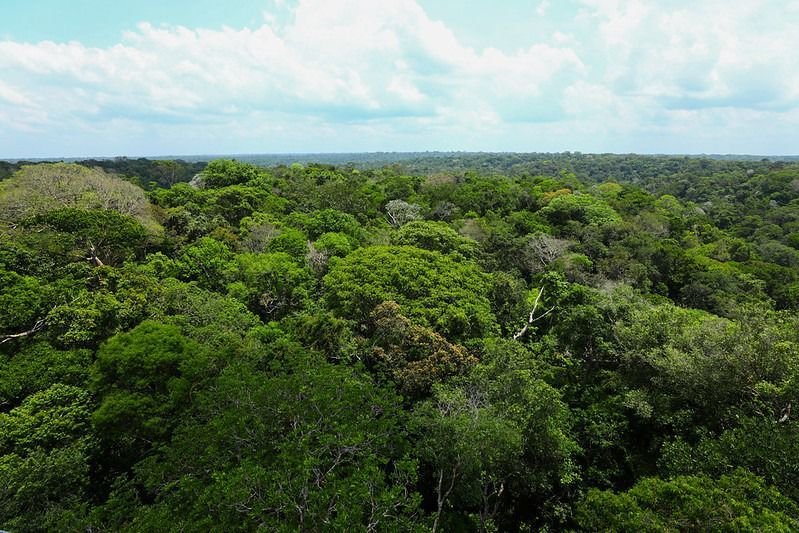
pixel 473 342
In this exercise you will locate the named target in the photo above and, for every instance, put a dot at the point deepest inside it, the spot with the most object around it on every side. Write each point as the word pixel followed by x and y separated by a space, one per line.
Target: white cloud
pixel 703 54
pixel 405 89
pixel 12 95
pixel 542 8
pixel 387 72
pixel 332 57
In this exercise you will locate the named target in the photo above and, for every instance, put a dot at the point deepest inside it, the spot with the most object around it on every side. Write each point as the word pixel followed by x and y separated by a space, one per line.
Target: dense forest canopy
pixel 476 342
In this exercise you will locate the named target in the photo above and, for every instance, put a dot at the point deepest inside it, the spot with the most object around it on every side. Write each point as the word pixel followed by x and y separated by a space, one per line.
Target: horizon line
pixel 212 156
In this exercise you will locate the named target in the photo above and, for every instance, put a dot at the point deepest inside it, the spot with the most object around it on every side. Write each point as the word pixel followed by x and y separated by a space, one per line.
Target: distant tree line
pixel 144 172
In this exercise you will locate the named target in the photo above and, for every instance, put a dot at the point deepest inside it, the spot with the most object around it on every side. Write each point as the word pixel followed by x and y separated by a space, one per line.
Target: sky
pixel 147 78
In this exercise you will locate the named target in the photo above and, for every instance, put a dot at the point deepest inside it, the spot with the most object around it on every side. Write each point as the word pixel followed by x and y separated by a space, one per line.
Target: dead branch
pixel 532 318
pixel 38 326
pixel 93 256
pixel 441 498
pixel 786 414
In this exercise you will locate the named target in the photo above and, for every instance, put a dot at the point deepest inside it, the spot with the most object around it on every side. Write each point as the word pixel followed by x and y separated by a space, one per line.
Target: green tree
pixel 271 285
pixel 472 452
pixel 582 208
pixel 206 261
pixel 38 366
pixel 101 236
pixel 738 502
pixel 434 236
pixel 311 444
pixel 447 293
pixel 45 448
pixel 224 172
pixel 143 379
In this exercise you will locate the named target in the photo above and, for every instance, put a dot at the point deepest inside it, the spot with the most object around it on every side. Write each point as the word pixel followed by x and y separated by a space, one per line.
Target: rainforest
pixel 439 342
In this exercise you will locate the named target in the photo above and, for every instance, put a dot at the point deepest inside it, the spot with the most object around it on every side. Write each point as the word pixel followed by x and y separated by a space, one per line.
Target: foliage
pixel 738 502
pixel 434 236
pixel 414 356
pixel 224 172
pixel 581 208
pixel 37 189
pixel 470 342
pixel 307 445
pixel 110 236
pixel 270 284
pixel 142 378
pixel 44 458
pixel 444 292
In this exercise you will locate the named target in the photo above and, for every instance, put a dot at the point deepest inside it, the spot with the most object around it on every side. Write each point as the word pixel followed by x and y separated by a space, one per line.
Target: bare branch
pixel 786 414
pixel 38 326
pixel 542 315
pixel 400 212
pixel 93 256
pixel 541 249
pixel 532 318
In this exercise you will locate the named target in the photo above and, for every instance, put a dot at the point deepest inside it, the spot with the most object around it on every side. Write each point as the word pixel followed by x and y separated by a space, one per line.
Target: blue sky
pixel 91 77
